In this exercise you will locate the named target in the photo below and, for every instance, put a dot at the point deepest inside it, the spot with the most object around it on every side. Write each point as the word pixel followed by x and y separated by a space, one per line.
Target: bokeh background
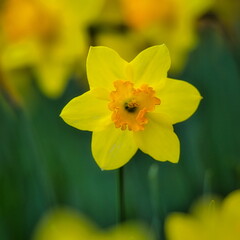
pixel 45 163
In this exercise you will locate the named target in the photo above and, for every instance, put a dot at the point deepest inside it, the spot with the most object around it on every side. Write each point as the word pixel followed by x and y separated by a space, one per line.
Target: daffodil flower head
pixel 159 21
pixel 47 36
pixel 22 19
pixel 131 106
pixel 208 220
pixel 67 224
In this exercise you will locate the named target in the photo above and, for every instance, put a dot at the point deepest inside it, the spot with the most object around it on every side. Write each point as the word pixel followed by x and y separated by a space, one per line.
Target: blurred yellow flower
pixel 164 21
pixel 131 105
pixel 67 224
pixel 172 22
pixel 209 220
pixel 47 36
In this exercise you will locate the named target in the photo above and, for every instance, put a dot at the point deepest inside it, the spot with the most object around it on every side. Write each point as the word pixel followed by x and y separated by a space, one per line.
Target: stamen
pixel 131 106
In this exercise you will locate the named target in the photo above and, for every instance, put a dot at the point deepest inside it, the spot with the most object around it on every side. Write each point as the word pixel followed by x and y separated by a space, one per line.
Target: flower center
pixel 130 105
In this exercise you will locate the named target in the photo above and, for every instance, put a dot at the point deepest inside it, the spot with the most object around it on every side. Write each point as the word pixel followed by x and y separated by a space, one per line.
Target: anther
pixel 131 107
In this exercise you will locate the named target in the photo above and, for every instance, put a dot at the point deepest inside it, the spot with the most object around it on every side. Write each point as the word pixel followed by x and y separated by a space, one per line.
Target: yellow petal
pixel 158 139
pixel 63 224
pixel 104 66
pixel 112 148
pixel 179 100
pixel 87 112
pixel 181 226
pixel 86 11
pixel 20 55
pixel 151 65
pixel 231 216
pixel 130 231
pixel 52 77
pixel 195 8
pixel 231 207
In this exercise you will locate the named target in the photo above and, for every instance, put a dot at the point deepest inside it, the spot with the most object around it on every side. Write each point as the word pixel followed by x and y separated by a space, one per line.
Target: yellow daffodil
pixel 47 36
pixel 67 224
pixel 165 21
pixel 131 105
pixel 209 220
pixel 160 21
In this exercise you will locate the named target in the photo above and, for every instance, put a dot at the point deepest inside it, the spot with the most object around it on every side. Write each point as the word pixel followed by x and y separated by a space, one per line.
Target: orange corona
pixel 130 105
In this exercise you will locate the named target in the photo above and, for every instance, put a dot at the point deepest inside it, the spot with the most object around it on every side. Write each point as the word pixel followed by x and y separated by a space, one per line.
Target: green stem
pixel 121 202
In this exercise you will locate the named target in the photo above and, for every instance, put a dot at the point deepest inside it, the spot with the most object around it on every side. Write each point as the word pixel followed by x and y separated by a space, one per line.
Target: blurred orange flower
pixel 47 36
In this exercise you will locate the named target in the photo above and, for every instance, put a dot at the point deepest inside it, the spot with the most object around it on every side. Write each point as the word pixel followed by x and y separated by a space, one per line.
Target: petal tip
pixel 161 47
pixel 164 46
pixel 174 160
pixel 61 113
pixel 106 167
